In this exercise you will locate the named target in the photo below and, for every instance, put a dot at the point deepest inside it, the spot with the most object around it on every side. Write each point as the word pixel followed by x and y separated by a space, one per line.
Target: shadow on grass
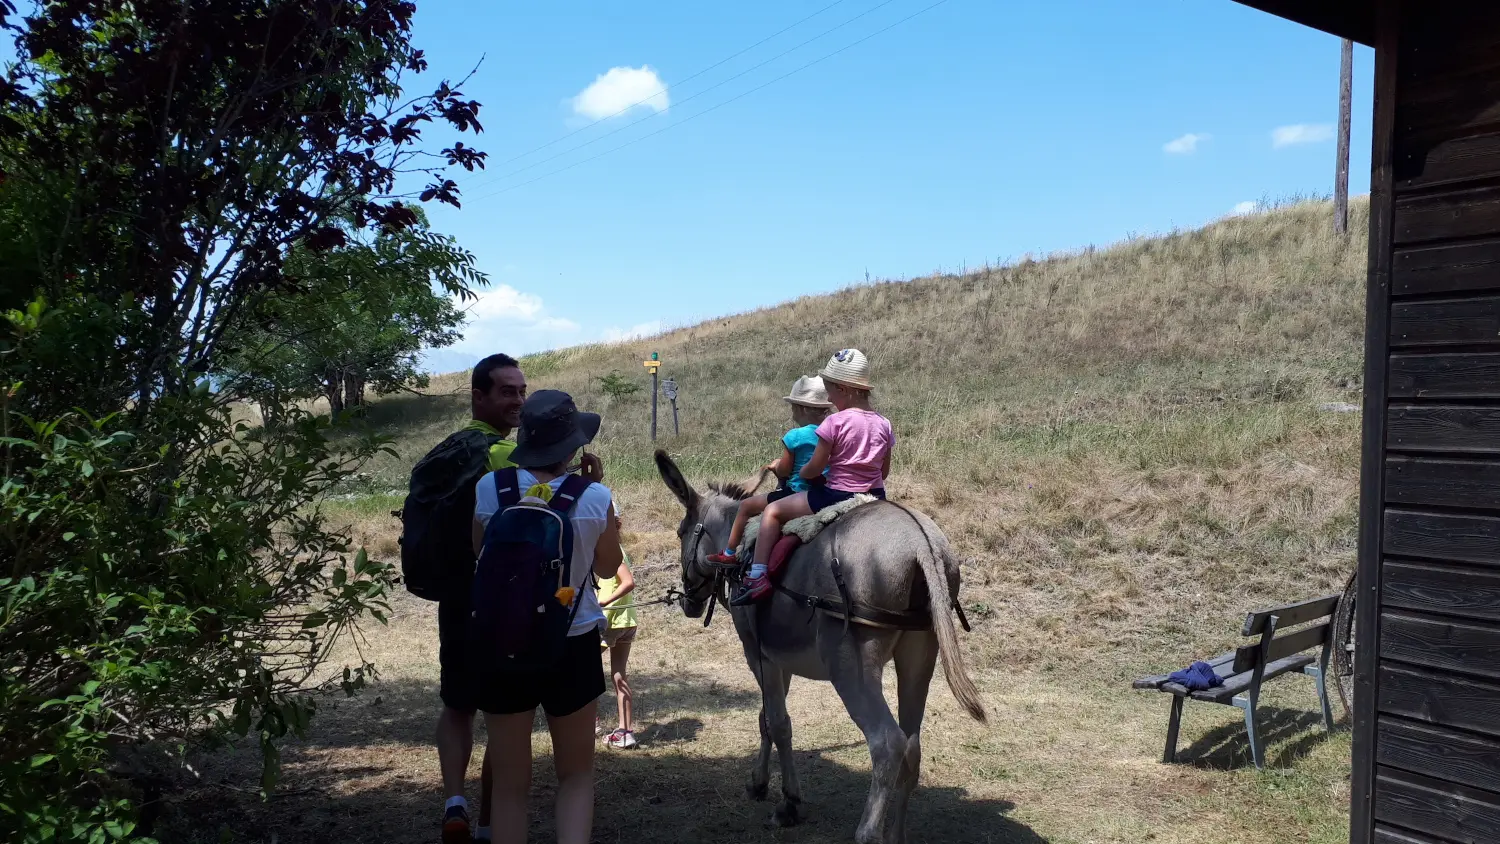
pixel 408 412
pixel 1286 734
pixel 670 797
pixel 406 711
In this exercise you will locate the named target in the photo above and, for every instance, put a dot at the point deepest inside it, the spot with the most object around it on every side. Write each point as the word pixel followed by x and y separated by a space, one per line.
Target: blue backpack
pixel 522 601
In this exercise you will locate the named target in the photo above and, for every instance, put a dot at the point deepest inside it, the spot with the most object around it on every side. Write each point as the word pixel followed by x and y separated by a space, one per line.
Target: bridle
pixel 714 581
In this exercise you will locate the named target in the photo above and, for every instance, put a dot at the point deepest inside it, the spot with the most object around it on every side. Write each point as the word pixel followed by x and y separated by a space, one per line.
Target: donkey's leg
pixel 855 663
pixel 760 775
pixel 788 811
pixel 916 657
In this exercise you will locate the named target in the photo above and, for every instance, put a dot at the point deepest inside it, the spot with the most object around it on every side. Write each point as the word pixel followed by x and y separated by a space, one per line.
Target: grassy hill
pixel 1128 447
pixel 1126 443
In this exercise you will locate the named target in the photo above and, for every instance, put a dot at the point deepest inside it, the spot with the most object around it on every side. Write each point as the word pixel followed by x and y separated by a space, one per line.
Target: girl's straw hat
pixel 809 392
pixel 848 368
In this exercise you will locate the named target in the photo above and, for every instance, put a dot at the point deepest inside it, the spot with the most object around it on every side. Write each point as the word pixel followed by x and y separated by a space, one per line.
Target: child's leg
pixel 619 661
pixel 749 508
pixel 771 522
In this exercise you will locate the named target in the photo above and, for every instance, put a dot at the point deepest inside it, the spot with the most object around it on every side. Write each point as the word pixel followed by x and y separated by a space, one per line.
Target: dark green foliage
pixel 176 177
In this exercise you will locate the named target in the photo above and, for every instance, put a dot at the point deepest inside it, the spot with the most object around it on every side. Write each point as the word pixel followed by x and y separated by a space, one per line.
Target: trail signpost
pixel 669 389
pixel 654 364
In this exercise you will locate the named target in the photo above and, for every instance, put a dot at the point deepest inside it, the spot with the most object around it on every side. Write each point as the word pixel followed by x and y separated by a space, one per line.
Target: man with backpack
pixel 437 563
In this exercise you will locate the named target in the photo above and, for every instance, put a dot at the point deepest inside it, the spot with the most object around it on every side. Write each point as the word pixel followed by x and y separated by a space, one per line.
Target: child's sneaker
pixel 724 558
pixel 753 590
pixel 621 739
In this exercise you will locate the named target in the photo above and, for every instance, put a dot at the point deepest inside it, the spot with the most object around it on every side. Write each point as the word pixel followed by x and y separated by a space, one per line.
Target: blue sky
pixel 976 131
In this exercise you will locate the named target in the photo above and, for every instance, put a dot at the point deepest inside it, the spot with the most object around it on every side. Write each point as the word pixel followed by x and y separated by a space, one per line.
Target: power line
pixel 719 63
pixel 533 165
pixel 796 70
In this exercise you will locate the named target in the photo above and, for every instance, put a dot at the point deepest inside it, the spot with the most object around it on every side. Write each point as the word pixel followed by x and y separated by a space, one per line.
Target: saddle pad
pixel 805 528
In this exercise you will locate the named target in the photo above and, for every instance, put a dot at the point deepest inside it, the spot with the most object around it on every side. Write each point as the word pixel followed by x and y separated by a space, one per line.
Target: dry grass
pixel 1125 444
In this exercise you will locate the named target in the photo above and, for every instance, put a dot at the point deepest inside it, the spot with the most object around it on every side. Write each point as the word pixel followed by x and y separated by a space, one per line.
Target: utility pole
pixel 1346 105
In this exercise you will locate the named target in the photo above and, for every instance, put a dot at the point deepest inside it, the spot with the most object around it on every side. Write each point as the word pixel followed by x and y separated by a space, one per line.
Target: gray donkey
pixel 895 565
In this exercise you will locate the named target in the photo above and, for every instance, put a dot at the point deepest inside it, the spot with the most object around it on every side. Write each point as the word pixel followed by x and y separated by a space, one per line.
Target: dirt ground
pixel 1065 758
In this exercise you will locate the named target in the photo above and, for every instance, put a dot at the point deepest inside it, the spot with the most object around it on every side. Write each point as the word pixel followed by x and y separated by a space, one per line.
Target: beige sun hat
pixel 809 392
pixel 849 368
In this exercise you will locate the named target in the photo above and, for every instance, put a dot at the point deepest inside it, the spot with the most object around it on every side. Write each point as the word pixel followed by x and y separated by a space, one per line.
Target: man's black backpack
pixel 437 550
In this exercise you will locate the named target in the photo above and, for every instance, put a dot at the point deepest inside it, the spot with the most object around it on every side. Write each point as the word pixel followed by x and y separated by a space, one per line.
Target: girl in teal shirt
pixel 809 401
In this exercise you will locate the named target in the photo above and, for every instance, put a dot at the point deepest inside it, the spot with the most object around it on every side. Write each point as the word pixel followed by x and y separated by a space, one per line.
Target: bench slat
pixel 1241 682
pixel 1291 615
pixel 1284 646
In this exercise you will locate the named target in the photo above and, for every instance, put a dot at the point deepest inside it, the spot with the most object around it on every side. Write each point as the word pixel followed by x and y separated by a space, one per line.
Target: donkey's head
pixel 704 529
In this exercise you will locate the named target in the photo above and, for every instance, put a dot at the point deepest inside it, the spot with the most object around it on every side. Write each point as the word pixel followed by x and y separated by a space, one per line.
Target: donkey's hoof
pixel 788 813
pixel 757 791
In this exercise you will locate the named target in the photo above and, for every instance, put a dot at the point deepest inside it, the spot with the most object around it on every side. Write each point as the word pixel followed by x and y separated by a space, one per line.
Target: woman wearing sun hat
pixel 551 434
pixel 853 456
pixel 809 402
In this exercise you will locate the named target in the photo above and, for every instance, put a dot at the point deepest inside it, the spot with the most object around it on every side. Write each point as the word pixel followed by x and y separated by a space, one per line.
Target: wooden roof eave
pixel 1352 19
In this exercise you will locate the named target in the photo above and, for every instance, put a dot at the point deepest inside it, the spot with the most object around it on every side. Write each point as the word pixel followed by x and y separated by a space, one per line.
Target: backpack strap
pixel 568 494
pixel 507 487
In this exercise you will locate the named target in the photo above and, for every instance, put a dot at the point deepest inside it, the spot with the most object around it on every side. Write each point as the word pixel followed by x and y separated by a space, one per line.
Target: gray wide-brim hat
pixel 809 392
pixel 552 428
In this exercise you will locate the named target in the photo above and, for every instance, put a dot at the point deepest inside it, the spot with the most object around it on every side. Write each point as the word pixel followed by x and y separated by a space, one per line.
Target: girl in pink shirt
pixel 854 445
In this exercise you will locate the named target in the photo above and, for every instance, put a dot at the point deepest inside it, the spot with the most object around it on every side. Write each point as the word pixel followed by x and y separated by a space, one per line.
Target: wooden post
pixel 653 364
pixel 669 389
pixel 1346 106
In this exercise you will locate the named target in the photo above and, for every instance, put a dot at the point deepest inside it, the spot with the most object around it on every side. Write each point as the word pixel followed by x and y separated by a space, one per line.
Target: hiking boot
pixel 753 589
pixel 621 739
pixel 456 826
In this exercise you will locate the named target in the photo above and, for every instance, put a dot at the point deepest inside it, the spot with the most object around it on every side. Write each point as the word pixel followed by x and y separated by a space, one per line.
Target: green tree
pixel 168 171
pixel 374 305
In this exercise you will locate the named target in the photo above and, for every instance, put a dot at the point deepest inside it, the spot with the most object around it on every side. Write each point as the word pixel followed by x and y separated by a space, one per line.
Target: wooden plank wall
pixel 1430 738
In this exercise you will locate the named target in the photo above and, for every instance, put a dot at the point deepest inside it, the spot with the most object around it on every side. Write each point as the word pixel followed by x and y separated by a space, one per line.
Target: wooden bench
pixel 1245 668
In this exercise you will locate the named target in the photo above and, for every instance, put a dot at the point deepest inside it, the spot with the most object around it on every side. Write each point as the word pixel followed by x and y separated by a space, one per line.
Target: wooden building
pixel 1427 708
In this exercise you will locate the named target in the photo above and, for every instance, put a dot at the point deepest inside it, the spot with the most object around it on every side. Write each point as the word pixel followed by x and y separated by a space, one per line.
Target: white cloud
pixel 620 88
pixel 1248 207
pixel 504 319
pixel 1185 145
pixel 1301 133
pixel 634 332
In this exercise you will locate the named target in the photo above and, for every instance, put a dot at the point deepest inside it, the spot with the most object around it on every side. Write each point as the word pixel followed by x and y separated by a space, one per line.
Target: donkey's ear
pixel 676 482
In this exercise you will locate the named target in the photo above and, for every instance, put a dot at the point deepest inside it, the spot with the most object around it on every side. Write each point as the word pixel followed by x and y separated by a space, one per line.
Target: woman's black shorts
pixel 565 688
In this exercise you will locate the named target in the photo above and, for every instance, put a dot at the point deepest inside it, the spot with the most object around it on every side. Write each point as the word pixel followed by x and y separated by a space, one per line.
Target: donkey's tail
pixel 942 602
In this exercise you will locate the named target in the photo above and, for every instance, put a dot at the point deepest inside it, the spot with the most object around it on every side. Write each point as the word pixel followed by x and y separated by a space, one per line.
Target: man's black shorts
pixel 565 688
pixel 456 686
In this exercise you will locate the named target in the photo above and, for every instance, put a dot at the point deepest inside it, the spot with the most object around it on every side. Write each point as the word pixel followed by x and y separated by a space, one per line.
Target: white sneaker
pixel 621 739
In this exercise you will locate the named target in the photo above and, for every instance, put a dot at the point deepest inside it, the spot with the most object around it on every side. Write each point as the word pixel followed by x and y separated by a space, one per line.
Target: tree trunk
pixel 333 389
pixel 354 391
